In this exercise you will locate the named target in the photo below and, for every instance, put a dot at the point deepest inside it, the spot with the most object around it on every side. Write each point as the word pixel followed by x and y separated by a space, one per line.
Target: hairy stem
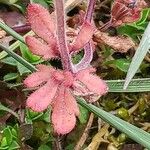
pixel 90 10
pixel 61 35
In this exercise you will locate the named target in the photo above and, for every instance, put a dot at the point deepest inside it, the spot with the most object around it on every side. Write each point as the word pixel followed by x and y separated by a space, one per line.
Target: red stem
pixel 61 34
pixel 90 10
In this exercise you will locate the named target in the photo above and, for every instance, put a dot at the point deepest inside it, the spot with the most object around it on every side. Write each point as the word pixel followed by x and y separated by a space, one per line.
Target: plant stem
pixel 61 35
pixel 12 32
pixel 90 10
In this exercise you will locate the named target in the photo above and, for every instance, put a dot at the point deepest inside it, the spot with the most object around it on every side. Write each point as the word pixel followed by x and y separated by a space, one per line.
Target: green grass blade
pixel 19 59
pixel 13 46
pixel 12 32
pixel 139 56
pixel 136 134
pixel 136 85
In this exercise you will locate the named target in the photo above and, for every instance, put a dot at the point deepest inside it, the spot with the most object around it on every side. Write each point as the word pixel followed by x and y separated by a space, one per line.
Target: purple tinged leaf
pixel 88 50
pixel 87 58
pixel 42 23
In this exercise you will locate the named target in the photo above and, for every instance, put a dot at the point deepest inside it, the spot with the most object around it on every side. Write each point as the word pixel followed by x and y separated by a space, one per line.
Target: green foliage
pixel 10 76
pixel 22 7
pixel 15 3
pixel 119 124
pixel 26 54
pixel 13 46
pixel 84 113
pixel 139 56
pixel 121 64
pixel 135 30
pixel 44 147
pixel 10 2
pixel 43 3
pixel 9 138
pixel 35 116
pixel 19 59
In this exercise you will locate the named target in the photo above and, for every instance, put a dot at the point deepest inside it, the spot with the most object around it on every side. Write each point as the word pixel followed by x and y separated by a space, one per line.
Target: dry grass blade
pixel 97 139
pixel 85 133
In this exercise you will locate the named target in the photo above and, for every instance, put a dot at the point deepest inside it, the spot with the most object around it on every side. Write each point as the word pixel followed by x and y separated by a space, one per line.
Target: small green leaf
pixel 123 113
pixel 10 76
pixel 122 64
pixel 32 115
pixel 110 105
pixel 8 1
pixel 16 127
pixel 14 46
pixel 14 133
pixel 4 148
pixel 14 146
pixel 46 116
pixel 84 113
pixel 20 7
pixel 7 133
pixel 10 61
pixel 4 142
pixel 22 69
pixel 28 55
pixel 43 3
pixel 77 57
pixel 130 31
pixel 44 147
pixel 144 15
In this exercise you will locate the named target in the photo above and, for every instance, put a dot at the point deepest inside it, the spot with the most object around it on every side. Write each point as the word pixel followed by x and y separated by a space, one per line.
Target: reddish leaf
pixel 37 78
pixel 92 82
pixel 118 43
pixel 84 36
pixel 42 49
pixel 63 117
pixel 42 23
pixel 40 99
pixel 71 102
